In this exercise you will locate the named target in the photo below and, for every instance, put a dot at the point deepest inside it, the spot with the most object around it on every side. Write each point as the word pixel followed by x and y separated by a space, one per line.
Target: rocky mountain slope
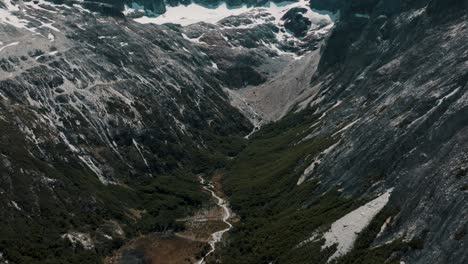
pixel 101 120
pixel 388 117
pixel 354 114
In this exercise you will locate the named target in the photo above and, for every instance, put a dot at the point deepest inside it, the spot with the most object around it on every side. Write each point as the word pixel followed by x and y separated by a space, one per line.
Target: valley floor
pixel 203 228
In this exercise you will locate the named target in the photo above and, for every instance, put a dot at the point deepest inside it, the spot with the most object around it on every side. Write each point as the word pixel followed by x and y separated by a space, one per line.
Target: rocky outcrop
pixel 296 22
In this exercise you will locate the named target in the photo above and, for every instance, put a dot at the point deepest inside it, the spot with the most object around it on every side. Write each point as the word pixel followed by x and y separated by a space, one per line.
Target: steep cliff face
pixel 403 101
pixel 408 102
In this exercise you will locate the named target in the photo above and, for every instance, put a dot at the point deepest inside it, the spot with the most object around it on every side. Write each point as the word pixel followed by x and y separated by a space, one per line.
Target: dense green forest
pixel 277 215
pixel 138 205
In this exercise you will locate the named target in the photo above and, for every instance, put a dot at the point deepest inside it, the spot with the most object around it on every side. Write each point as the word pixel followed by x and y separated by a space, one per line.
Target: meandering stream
pixel 218 235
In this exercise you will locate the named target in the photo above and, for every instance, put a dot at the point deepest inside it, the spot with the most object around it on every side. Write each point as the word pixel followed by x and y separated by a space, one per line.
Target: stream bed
pixel 218 235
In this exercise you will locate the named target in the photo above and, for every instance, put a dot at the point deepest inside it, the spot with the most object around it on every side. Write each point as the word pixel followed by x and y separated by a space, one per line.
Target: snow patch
pixel 87 160
pixel 16 206
pixel 8 45
pixel 7 17
pixel 80 238
pixel 313 238
pixel 194 13
pixel 141 153
pixel 345 230
pixel 49 26
pixel 46 180
pixel 318 159
pixel 384 226
pixel 432 110
pixel 66 142
pixel 338 103
pixel 194 40
pixel 362 15
pixel 348 126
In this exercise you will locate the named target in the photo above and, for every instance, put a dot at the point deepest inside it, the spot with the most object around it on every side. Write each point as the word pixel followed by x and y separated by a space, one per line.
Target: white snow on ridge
pixel 345 230
pixel 10 6
pixel 277 10
pixel 194 13
pixel 17 15
pixel 6 17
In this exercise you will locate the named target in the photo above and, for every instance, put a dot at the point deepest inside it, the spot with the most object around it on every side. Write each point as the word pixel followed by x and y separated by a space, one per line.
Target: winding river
pixel 218 235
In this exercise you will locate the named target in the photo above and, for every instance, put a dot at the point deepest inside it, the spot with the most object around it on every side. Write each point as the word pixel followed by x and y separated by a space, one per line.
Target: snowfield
pixel 80 238
pixel 194 13
pixel 345 230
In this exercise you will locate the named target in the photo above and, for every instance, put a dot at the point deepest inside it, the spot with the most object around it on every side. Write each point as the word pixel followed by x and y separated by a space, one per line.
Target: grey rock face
pixel 296 22
pixel 91 108
pixel 241 46
pixel 104 80
pixel 400 114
